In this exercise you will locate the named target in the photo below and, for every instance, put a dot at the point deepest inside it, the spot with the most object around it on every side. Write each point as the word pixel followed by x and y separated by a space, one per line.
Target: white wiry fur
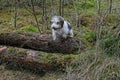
pixel 60 28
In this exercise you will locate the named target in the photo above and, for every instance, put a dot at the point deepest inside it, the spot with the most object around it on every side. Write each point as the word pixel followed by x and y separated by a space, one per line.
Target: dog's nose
pixel 52 26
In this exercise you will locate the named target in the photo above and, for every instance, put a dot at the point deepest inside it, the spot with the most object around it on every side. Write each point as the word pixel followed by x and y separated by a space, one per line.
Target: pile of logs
pixel 31 61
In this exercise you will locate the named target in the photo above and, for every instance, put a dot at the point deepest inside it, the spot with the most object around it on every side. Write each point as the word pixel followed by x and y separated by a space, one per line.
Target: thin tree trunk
pixel 98 6
pixel 33 11
pixel 43 8
pixel 15 13
pixel 110 6
pixel 44 15
pixel 61 7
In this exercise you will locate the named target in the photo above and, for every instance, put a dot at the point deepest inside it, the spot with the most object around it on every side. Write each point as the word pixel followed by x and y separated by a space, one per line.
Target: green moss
pixel 29 29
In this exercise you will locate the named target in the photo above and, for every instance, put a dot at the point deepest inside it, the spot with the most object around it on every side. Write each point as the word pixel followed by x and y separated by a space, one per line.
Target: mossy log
pixel 38 42
pixel 28 61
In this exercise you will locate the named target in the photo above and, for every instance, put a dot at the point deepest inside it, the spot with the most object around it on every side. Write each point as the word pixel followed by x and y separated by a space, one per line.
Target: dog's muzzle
pixel 56 28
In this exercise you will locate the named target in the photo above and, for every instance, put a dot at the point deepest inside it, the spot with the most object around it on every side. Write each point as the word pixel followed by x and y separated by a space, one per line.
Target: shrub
pixel 111 44
pixel 89 36
pixel 87 4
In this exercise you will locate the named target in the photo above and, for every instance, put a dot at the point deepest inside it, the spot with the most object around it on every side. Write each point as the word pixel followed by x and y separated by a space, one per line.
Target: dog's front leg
pixel 54 34
pixel 71 33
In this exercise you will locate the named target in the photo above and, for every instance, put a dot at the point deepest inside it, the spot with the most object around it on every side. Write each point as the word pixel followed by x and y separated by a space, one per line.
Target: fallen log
pixel 29 61
pixel 38 42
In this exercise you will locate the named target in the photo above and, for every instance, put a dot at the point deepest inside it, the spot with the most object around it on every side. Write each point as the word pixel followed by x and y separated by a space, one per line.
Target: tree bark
pixel 38 42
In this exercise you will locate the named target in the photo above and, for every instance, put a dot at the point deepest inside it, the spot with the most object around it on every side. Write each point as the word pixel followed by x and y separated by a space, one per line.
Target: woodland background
pixel 96 25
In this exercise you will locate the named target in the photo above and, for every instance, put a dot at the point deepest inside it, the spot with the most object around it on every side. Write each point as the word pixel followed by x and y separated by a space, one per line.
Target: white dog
pixel 60 28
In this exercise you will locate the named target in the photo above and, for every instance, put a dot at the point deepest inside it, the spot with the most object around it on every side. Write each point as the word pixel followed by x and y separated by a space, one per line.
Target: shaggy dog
pixel 60 28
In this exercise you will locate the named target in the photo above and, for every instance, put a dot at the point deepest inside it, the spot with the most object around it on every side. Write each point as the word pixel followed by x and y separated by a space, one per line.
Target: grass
pixel 23 75
pixel 29 29
pixel 73 66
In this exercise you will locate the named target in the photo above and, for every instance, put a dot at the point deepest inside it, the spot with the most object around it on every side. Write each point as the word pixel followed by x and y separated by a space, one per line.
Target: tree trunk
pixel 34 14
pixel 38 42
pixel 61 7
pixel 98 6
pixel 110 6
pixel 15 13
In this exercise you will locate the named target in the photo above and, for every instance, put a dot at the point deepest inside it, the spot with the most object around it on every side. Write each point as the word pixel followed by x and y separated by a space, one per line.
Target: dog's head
pixel 57 22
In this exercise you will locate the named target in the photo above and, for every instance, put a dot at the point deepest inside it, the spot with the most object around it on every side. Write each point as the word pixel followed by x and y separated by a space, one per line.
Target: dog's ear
pixel 61 20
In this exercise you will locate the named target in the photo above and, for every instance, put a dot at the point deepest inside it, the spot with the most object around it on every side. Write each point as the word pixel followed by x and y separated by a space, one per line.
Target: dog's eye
pixel 58 22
